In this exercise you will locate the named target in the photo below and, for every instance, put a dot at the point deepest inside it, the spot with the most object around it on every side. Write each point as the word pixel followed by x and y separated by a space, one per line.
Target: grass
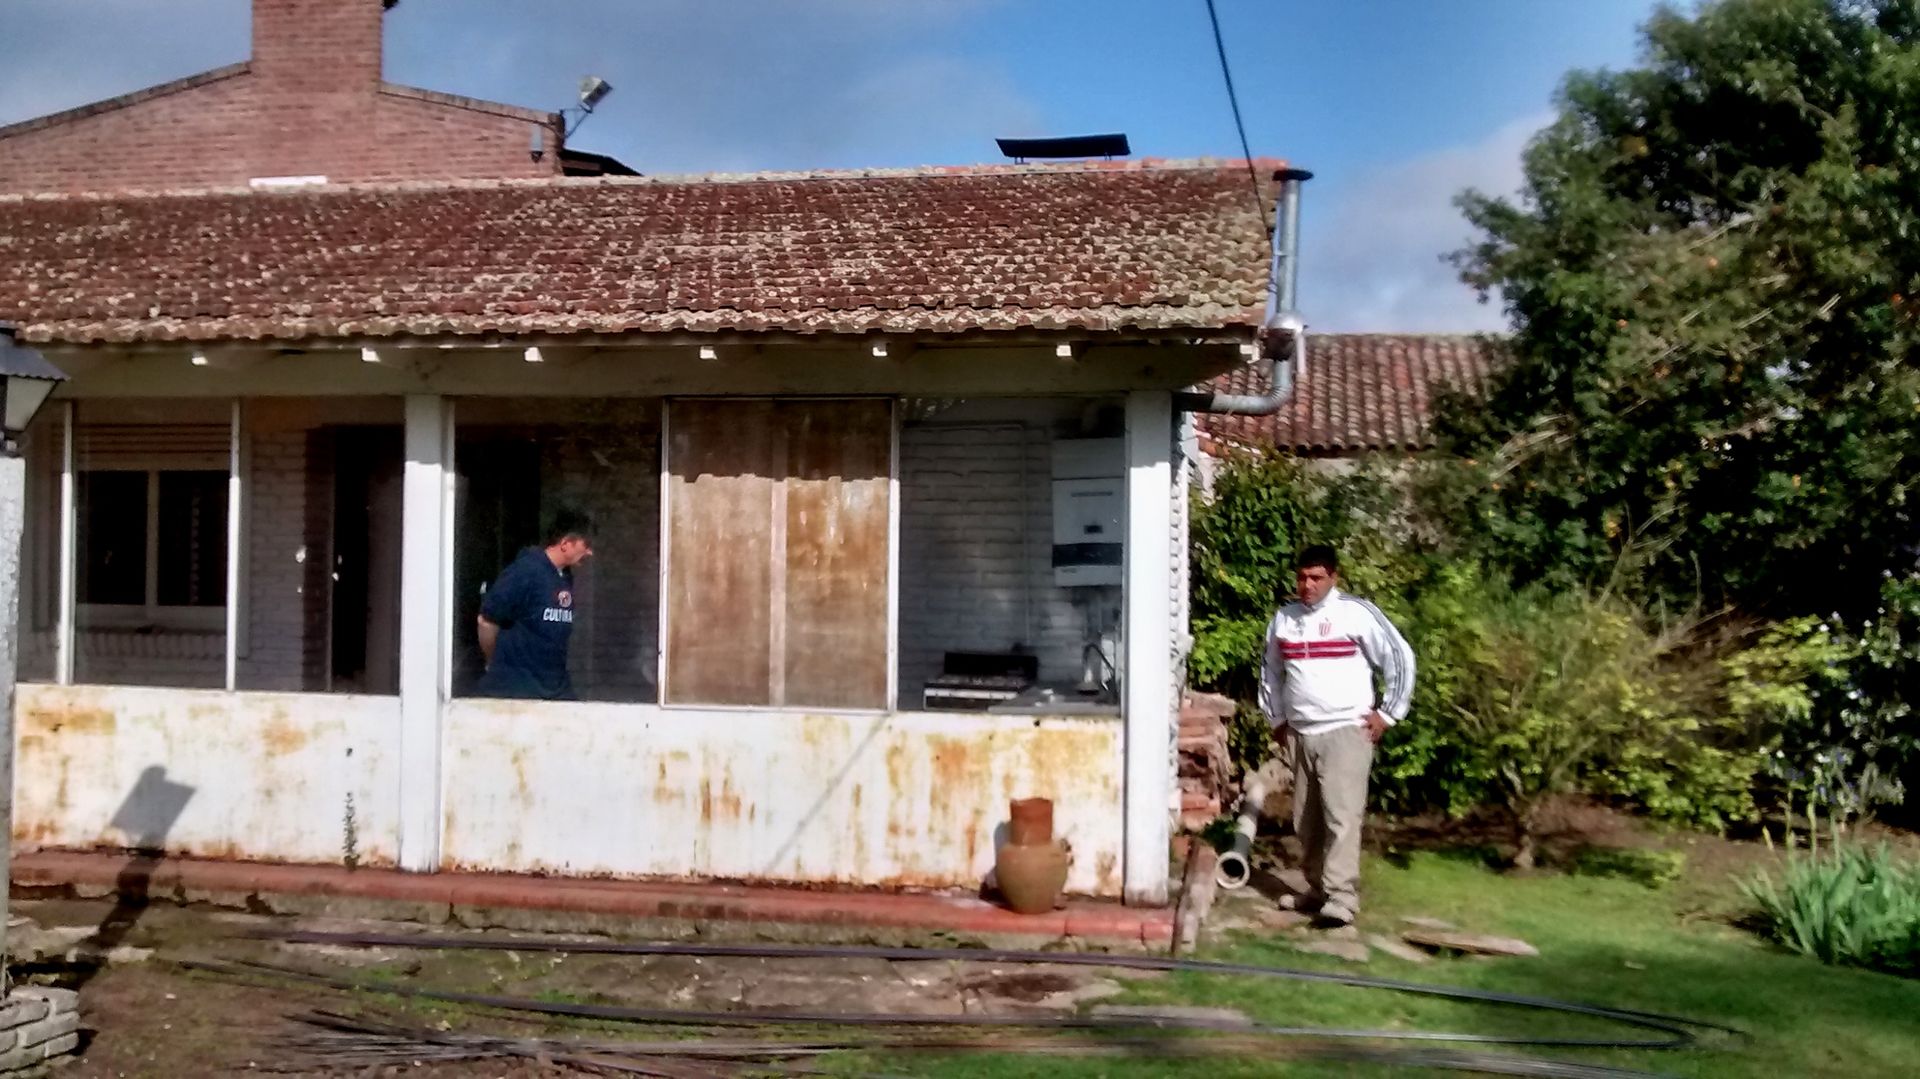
pixel 1603 939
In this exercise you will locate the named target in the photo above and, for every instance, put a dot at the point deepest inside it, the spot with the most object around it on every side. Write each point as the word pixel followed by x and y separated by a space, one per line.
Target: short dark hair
pixel 567 523
pixel 1319 555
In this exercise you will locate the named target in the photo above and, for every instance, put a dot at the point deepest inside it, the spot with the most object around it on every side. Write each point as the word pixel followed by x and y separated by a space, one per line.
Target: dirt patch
pixel 160 1019
pixel 1026 987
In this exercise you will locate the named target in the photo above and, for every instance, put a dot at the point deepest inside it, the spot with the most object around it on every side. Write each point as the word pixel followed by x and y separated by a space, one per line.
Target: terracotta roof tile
pixel 1132 245
pixel 1361 392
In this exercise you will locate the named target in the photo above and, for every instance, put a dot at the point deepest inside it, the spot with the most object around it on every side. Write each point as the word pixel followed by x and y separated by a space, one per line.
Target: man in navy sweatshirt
pixel 527 617
pixel 1323 653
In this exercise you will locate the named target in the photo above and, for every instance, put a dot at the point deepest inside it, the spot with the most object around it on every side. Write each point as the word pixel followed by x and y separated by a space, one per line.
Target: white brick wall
pixel 275 520
pixel 976 557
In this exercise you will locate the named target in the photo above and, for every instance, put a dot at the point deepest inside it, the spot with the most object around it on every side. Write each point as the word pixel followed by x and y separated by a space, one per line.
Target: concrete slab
pixel 333 891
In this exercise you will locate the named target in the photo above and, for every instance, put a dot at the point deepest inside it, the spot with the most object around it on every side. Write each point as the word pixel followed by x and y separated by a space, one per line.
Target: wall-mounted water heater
pixel 1089 511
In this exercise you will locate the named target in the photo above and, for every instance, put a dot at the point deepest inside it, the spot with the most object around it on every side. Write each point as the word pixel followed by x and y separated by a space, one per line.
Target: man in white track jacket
pixel 1317 678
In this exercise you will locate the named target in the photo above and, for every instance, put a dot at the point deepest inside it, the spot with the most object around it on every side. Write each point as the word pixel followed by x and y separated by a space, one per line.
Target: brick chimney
pixel 319 45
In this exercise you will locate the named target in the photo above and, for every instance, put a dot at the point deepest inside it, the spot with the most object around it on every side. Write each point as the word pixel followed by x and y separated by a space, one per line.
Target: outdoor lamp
pixel 26 380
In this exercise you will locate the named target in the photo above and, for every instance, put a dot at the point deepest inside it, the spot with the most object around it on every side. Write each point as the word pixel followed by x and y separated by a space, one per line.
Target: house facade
pixel 309 105
pixel 886 472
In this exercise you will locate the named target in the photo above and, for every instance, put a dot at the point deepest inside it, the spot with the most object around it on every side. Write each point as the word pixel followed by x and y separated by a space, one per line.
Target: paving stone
pixel 1477 943
pixel 1428 923
pixel 1399 949
pixel 1352 951
pixel 1284 919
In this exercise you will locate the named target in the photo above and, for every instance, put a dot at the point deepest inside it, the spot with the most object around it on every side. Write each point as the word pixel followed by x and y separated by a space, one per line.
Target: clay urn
pixel 1030 822
pixel 1031 867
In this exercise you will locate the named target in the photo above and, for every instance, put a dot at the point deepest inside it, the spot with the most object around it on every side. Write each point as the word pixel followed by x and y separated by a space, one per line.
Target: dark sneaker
pixel 1304 904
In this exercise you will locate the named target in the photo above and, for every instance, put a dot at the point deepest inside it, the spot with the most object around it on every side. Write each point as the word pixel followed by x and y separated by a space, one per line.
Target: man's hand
pixel 489 634
pixel 1376 726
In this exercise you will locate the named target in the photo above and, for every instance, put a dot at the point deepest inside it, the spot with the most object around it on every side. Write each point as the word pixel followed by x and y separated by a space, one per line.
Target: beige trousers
pixel 1329 804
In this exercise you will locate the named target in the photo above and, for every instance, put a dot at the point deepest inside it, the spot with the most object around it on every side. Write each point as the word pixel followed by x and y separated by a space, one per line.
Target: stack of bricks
pixel 1205 766
pixel 37 1025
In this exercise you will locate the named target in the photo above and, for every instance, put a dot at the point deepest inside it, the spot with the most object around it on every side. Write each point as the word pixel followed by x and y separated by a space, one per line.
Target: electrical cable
pixel 1239 124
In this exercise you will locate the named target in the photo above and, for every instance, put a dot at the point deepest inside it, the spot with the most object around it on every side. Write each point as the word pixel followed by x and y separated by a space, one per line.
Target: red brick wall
pixel 310 103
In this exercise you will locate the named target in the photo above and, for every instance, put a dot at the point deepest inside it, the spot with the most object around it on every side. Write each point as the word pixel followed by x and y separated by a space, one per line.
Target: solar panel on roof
pixel 1066 146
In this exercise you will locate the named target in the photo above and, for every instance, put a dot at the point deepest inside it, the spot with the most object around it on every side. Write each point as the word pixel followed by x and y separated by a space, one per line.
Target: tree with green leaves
pixel 1713 276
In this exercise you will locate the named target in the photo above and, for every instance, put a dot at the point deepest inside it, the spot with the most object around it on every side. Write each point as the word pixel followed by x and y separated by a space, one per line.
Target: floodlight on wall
pixel 26 381
pixel 593 90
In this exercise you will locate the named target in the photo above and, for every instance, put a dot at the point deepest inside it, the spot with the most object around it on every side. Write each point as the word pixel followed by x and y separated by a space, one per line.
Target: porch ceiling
pixel 1124 247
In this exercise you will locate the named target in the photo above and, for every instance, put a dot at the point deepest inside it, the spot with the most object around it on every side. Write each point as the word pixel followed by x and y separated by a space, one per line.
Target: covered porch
pixel 886 472
pixel 249 623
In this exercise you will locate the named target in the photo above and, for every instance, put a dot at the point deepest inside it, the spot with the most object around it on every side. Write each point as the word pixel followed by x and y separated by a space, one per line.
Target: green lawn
pixel 1602 940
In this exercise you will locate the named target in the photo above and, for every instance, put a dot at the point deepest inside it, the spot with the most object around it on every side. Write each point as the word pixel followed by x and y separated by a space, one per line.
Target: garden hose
pixel 1676 1031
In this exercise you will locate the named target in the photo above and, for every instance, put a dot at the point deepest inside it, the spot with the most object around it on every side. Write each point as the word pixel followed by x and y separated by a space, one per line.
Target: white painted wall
pixel 208 773
pixel 913 800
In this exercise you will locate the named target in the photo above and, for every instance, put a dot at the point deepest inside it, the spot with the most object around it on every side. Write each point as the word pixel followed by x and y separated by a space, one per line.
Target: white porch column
pixel 69 554
pixel 423 620
pixel 1149 644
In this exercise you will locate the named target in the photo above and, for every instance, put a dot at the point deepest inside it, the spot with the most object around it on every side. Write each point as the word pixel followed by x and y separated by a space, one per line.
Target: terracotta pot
pixel 1030 822
pixel 1031 877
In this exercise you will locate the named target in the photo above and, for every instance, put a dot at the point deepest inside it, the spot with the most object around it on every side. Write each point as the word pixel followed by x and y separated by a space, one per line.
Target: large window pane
pixel 320 569
pixel 113 537
pixel 191 536
pixel 779 552
pixel 1009 592
pixel 521 465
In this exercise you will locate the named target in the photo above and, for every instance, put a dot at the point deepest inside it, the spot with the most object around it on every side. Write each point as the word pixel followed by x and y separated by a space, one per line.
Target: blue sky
pixel 1394 104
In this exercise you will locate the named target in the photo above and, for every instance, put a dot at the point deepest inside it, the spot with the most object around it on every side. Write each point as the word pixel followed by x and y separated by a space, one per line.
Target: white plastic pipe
pixel 1236 865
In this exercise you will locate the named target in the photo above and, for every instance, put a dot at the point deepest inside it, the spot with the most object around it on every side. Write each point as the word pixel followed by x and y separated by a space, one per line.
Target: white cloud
pixel 1372 250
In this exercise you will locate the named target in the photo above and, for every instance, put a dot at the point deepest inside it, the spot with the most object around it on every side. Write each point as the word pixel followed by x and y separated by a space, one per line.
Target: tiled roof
pixel 1128 245
pixel 1362 391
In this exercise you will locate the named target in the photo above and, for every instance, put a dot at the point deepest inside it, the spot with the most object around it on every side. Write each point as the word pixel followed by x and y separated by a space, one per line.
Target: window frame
pixel 151 613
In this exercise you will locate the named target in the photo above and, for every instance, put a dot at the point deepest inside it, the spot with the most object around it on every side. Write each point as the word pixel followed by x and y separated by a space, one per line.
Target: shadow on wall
pixel 147 816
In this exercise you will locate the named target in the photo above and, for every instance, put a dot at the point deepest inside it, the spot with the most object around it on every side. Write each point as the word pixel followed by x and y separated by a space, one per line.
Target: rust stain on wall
pixel 71 721
pixel 281 737
pixel 521 791
pixel 727 803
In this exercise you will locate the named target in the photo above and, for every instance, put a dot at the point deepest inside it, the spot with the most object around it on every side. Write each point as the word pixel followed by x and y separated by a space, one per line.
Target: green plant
pixel 1543 692
pixel 1851 907
pixel 1715 336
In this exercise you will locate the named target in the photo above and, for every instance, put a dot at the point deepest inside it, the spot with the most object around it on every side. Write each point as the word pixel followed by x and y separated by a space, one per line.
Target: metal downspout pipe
pixel 1283 336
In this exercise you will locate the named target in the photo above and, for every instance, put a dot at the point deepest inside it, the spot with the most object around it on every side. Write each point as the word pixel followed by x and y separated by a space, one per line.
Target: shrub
pixel 1547 687
pixel 1262 511
pixel 1852 907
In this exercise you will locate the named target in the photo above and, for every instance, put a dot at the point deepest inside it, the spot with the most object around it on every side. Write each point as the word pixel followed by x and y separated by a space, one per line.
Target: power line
pixel 1239 124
